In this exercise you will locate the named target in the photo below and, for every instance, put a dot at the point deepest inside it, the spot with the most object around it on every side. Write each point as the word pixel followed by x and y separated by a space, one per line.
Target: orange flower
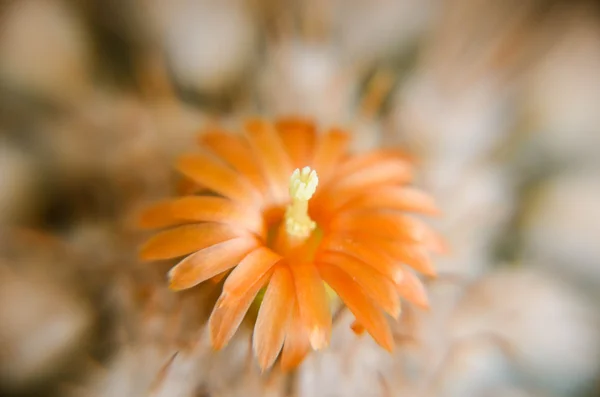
pixel 289 209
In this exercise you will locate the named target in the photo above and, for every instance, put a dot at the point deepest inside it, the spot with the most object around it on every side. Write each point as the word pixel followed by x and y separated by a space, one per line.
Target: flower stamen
pixel 303 184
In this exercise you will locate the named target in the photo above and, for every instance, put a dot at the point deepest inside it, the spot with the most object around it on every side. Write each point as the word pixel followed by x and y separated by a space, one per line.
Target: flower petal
pixel 412 289
pixel 344 188
pixel 389 225
pixel 185 187
pixel 359 304
pixel 157 216
pixel 250 269
pixel 329 150
pixel 414 256
pixel 375 258
pixel 209 262
pixel 357 328
pixel 387 171
pixel 217 209
pixel 270 153
pixel 298 137
pixel 401 198
pixel 313 303
pixel 229 313
pixel 296 345
pixel 185 239
pixel 273 317
pixel 385 224
pixel 368 159
pixel 219 277
pixel 379 288
pixel 217 177
pixel 201 209
pixel 235 151
pixel 433 241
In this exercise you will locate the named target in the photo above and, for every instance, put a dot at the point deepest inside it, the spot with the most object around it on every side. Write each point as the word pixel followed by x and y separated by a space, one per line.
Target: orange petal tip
pixel 174 282
pixel 398 276
pixel 318 338
pixel 422 302
pixel 143 256
pixel 147 254
pixel 173 286
pixel 438 245
pixel 357 328
pixel 389 346
pixel 221 301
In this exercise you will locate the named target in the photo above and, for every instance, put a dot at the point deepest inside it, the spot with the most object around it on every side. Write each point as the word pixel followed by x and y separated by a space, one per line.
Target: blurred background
pixel 499 101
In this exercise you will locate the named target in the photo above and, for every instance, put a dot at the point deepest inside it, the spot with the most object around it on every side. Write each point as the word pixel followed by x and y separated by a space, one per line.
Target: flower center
pixel 296 236
pixel 303 184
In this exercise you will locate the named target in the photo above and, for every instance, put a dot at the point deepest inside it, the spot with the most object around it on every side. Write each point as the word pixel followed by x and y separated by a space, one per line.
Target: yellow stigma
pixel 303 184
